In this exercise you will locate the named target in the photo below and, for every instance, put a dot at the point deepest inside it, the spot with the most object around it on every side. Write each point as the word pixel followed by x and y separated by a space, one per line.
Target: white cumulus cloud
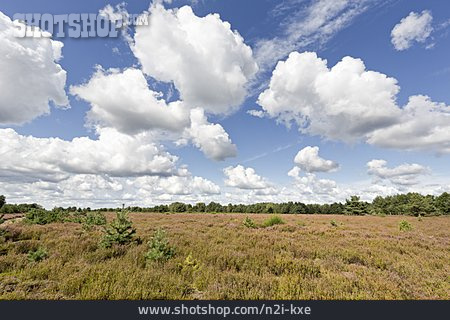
pixel 30 76
pixel 404 174
pixel 210 138
pixel 244 178
pixel 54 159
pixel 124 101
pixel 424 125
pixel 342 103
pixel 207 61
pixel 349 103
pixel 308 159
pixel 416 27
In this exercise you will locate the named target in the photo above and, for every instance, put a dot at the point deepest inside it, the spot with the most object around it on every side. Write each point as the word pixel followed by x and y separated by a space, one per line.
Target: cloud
pixel 175 185
pixel 30 78
pixel 209 64
pixel 350 104
pixel 116 168
pixel 210 138
pixel 103 191
pixel 53 159
pixel 244 178
pixel 315 24
pixel 404 174
pixel 123 100
pixel 117 14
pixel 345 102
pixel 416 27
pixel 308 159
pixel 256 113
pixel 310 184
pixel 424 125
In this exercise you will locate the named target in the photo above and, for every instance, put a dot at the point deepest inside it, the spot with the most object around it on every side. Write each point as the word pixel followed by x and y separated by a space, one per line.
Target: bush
pixel 189 265
pixel 249 223
pixel 404 226
pixel 120 231
pixel 37 255
pixel 1 218
pixel 273 221
pixel 333 223
pixel 159 248
pixel 42 216
pixel 2 200
pixel 93 219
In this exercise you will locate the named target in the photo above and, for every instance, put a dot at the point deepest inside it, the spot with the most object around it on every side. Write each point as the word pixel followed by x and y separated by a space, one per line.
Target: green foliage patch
pixel 37 255
pixel 249 223
pixel 405 226
pixel 273 221
pixel 120 231
pixel 159 248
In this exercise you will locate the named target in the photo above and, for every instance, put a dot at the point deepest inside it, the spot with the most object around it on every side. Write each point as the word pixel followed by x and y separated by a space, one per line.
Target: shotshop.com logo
pixel 74 25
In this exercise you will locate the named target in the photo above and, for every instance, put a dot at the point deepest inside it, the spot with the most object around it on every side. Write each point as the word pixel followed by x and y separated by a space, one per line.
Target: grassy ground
pixel 305 258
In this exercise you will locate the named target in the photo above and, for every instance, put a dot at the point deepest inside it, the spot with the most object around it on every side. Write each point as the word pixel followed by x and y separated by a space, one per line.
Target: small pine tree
pixel 249 223
pixel 37 255
pixel 159 248
pixel 356 207
pixel 405 226
pixel 93 219
pixel 120 231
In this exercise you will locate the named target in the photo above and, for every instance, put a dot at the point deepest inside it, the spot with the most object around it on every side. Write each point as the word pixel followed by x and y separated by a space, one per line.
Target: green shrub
pixel 159 248
pixel 1 218
pixel 273 221
pixel 42 216
pixel 404 226
pixel 93 219
pixel 249 223
pixel 189 265
pixel 334 223
pixel 37 255
pixel 120 231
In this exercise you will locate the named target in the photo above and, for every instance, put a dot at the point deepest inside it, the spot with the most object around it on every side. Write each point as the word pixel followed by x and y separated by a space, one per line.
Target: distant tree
pixel 443 203
pixel 337 208
pixel 418 205
pixel 177 207
pixel 2 200
pixel 213 207
pixel 356 207
pixel 379 206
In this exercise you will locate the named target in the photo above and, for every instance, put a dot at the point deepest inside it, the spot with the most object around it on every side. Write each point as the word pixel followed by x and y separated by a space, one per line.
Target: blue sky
pixel 265 147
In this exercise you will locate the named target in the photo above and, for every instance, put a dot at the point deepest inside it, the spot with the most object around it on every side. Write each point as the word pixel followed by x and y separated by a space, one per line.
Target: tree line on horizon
pixel 413 204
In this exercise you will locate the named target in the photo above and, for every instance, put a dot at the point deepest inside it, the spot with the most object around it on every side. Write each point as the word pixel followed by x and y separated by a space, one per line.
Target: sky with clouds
pixel 228 101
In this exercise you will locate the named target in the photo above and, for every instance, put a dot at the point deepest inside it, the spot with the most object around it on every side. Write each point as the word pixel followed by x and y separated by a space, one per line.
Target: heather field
pixel 218 256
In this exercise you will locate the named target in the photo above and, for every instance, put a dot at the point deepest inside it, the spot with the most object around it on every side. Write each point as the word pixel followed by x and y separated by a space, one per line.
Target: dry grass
pixel 305 258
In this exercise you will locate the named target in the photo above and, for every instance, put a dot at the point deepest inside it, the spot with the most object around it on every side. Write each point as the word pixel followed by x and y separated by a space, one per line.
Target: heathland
pixel 224 256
